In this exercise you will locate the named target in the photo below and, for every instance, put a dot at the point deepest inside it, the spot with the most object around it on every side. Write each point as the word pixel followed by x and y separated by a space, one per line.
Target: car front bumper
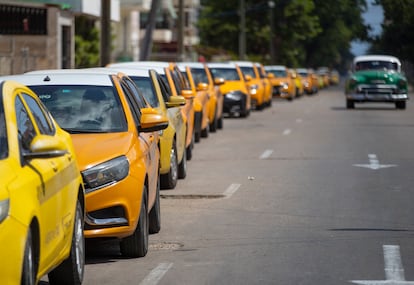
pixel 234 102
pixel 377 97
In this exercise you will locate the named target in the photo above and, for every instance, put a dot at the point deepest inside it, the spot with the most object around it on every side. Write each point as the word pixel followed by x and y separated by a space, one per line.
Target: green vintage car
pixel 376 78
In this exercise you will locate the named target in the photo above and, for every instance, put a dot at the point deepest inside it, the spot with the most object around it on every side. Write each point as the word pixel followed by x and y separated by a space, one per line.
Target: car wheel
pixel 29 271
pixel 213 125
pixel 220 123
pixel 400 105
pixel 204 132
pixel 71 270
pixel 136 245
pixel 169 180
pixel 350 104
pixel 155 213
pixel 182 167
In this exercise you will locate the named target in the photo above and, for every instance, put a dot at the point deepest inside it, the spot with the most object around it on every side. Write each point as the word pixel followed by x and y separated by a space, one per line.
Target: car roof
pixel 221 64
pixel 130 71
pixel 192 64
pixel 141 63
pixel 65 76
pixel 377 57
pixel 275 67
pixel 243 63
pixel 127 66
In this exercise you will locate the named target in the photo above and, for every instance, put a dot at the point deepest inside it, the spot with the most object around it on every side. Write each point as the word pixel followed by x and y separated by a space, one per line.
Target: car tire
pixel 182 167
pixel 169 180
pixel 71 271
pixel 29 270
pixel 136 245
pixel 400 105
pixel 204 132
pixel 350 104
pixel 213 125
pixel 155 213
pixel 220 123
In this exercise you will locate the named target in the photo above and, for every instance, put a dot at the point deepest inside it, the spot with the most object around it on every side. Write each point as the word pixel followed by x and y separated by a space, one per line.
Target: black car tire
pixel 350 104
pixel 71 271
pixel 182 167
pixel 155 213
pixel 29 271
pixel 400 105
pixel 136 245
pixel 169 180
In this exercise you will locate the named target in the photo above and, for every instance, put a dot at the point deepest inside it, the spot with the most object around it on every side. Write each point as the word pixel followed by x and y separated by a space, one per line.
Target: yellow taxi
pixel 283 85
pixel 310 86
pixel 297 79
pixel 115 136
pixel 237 98
pixel 202 75
pixel 266 78
pixel 201 103
pixel 173 161
pixel 254 84
pixel 179 87
pixel 41 194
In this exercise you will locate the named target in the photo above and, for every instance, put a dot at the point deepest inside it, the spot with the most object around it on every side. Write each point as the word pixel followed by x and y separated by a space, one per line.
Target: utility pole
pixel 242 30
pixel 180 35
pixel 105 54
pixel 272 32
pixel 147 41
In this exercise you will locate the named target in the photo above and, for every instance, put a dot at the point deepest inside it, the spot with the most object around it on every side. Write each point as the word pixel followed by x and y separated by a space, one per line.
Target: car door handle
pixel 54 166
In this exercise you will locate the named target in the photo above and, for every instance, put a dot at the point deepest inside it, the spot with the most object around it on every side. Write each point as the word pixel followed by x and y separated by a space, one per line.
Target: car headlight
pixel 253 88
pixel 105 173
pixel 285 86
pixel 4 209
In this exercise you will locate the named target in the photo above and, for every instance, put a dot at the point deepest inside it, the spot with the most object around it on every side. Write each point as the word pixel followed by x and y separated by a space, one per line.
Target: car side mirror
pixel 152 121
pixel 187 94
pixel 270 75
pixel 175 101
pixel 219 81
pixel 202 86
pixel 248 78
pixel 44 146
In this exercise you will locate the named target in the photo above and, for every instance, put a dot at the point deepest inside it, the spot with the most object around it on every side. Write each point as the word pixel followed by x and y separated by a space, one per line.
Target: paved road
pixel 305 192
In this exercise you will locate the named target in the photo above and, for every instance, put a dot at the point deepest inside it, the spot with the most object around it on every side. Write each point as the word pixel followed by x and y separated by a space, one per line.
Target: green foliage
pixel 86 43
pixel 396 38
pixel 307 32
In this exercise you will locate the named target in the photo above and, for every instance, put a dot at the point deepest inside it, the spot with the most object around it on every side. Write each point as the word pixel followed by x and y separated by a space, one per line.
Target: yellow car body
pixel 254 84
pixel 266 78
pixel 234 89
pixel 297 79
pixel 283 85
pixel 173 162
pixel 202 74
pixel 116 142
pixel 41 193
pixel 310 85
pixel 201 103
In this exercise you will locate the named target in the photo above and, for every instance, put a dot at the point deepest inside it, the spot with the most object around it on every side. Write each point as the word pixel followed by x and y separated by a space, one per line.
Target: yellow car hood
pixel 92 149
pixel 232 86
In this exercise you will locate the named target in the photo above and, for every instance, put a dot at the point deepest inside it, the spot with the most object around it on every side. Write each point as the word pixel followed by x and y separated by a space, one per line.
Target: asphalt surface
pixel 304 192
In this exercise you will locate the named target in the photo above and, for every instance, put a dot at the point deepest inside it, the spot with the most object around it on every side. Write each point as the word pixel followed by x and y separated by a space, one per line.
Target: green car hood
pixel 378 77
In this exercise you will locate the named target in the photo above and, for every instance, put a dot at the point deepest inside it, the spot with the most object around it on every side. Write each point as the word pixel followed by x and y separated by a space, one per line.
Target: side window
pixel 136 92
pixel 25 128
pixel 132 103
pixel 4 147
pixel 42 119
pixel 165 88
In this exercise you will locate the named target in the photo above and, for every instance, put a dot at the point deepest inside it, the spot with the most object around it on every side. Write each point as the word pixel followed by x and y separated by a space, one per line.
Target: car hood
pixel 232 86
pixel 377 77
pixel 93 149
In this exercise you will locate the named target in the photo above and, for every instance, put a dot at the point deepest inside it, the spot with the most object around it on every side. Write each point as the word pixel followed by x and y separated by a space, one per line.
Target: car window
pixel 25 128
pixel 225 73
pixel 4 147
pixel 376 65
pixel 147 89
pixel 42 120
pixel 83 108
pixel 278 72
pixel 165 88
pixel 199 75
pixel 248 71
pixel 130 87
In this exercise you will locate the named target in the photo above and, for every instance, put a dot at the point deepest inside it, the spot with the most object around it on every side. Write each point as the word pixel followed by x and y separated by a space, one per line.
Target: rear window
pixel 83 108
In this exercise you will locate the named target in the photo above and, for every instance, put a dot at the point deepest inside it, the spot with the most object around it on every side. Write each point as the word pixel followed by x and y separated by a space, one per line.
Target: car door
pixel 44 175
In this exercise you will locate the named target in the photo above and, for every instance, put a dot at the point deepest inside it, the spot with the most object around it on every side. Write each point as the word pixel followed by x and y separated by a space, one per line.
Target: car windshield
pixel 145 86
pixel 376 65
pixel 199 75
pixel 278 72
pixel 248 71
pixel 83 109
pixel 225 73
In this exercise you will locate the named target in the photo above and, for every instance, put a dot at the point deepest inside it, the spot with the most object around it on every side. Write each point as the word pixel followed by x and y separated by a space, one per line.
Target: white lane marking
pixel 299 120
pixel 393 267
pixel 374 163
pixel 156 274
pixel 287 132
pixel 231 190
pixel 266 154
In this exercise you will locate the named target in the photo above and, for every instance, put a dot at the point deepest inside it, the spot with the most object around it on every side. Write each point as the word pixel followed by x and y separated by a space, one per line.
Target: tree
pixel 86 43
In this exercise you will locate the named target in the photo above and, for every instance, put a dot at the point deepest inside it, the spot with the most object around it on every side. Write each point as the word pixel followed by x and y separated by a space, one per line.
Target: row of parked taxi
pixel 85 153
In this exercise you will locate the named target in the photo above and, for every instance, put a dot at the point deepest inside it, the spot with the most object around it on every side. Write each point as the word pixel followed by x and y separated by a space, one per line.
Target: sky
pixel 374 16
